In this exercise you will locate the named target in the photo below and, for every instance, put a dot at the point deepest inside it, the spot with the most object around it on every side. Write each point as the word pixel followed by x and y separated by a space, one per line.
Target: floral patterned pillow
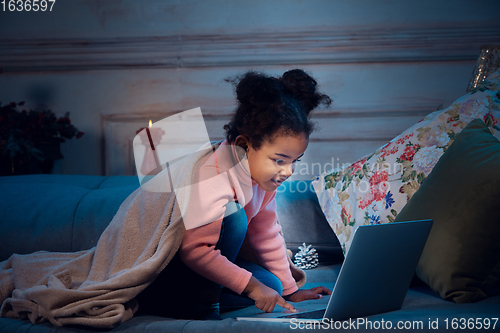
pixel 375 188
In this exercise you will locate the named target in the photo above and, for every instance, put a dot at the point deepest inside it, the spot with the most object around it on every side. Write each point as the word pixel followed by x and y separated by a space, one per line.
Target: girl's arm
pixel 265 298
pixel 265 237
pixel 307 294
pixel 198 252
pixel 266 240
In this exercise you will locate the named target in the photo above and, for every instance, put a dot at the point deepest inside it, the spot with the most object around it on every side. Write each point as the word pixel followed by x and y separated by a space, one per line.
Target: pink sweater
pixel 197 250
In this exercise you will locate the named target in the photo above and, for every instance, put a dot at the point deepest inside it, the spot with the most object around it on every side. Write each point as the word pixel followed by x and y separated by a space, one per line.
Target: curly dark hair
pixel 268 105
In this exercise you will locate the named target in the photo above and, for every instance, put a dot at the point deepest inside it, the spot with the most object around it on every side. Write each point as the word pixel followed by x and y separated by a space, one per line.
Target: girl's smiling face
pixel 274 161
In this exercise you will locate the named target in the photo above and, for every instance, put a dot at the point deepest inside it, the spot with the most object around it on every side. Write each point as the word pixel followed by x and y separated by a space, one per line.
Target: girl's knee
pixel 273 282
pixel 233 231
pixel 235 218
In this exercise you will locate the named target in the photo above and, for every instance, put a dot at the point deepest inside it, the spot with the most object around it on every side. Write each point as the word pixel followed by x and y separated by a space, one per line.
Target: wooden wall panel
pixel 117 64
pixel 376 44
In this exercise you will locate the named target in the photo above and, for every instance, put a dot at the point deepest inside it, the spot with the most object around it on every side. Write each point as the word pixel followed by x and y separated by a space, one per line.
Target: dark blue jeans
pixel 179 292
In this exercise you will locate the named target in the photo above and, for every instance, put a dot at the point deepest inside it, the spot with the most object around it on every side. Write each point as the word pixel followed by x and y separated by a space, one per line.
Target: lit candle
pixel 153 135
pixel 155 154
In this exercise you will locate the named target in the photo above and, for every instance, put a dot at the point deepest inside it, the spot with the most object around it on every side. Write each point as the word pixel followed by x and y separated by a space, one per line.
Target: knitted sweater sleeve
pixel 265 238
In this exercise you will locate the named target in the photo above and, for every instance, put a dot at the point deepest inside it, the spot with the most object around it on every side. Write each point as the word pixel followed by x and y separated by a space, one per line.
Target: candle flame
pixel 150 123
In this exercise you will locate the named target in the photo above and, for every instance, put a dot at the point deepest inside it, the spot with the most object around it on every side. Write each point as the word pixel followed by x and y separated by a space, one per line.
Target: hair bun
pixel 302 88
pixel 270 106
pixel 258 89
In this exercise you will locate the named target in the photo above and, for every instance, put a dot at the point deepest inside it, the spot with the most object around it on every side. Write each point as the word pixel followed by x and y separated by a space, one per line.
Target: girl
pixel 267 135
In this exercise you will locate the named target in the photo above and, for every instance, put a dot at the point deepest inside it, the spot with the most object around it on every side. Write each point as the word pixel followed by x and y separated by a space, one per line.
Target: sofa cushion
pixel 303 221
pixel 83 181
pixel 37 216
pixel 374 189
pixel 95 212
pixel 84 207
pixel 119 181
pixel 461 259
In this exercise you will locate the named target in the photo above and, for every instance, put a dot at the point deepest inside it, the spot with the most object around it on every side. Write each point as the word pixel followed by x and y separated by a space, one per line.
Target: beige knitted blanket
pixel 97 287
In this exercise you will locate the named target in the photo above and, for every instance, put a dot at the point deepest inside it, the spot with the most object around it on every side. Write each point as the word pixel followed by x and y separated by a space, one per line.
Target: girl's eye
pixel 283 161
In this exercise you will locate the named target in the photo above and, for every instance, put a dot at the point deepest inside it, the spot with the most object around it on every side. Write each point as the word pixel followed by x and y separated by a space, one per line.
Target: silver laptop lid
pixel 378 269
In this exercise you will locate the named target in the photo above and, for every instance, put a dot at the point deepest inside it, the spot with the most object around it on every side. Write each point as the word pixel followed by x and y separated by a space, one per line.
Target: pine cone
pixel 307 257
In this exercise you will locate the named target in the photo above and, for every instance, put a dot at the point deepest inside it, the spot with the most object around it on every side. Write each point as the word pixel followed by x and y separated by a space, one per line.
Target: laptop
pixel 373 279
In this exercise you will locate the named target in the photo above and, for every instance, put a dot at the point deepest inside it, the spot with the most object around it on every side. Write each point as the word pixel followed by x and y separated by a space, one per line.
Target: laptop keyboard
pixel 318 314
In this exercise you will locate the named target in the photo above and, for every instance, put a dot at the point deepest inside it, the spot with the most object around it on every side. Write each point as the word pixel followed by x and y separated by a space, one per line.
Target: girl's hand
pixel 265 298
pixel 306 294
